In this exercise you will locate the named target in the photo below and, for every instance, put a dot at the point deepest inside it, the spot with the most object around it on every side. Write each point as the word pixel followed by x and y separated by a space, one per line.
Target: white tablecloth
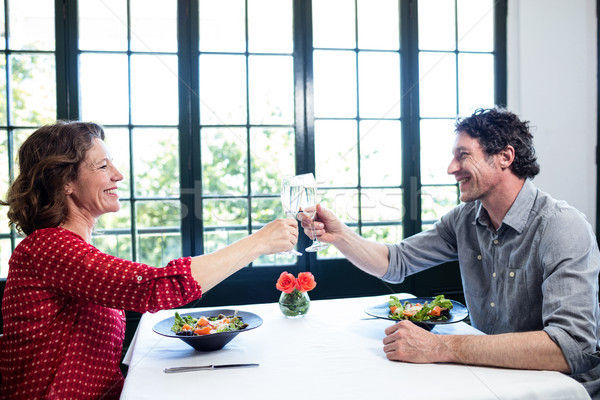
pixel 334 352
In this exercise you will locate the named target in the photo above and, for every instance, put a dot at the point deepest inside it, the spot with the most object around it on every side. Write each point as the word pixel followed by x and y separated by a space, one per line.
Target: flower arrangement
pixel 294 301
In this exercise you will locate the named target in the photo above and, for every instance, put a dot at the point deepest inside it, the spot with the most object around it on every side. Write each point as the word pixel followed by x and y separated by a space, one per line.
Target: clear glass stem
pixel 316 244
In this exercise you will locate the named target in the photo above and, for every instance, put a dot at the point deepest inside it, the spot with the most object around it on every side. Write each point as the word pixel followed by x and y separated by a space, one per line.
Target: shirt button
pixel 495 241
pixel 479 257
pixel 512 274
pixel 494 275
pixel 139 278
pixel 492 304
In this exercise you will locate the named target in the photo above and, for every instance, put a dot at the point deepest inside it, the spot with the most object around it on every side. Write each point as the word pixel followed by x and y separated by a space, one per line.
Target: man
pixel 529 263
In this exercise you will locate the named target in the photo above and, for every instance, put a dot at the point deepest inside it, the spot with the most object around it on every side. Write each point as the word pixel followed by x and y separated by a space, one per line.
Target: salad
pixel 438 309
pixel 190 326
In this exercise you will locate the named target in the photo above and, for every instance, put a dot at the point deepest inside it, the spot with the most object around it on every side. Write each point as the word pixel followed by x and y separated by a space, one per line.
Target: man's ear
pixel 506 156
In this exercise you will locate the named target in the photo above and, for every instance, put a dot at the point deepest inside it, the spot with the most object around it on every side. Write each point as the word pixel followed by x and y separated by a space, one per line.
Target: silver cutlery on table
pixel 171 370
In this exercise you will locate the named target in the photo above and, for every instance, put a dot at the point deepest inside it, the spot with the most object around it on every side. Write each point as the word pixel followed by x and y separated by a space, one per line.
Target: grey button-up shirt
pixel 538 271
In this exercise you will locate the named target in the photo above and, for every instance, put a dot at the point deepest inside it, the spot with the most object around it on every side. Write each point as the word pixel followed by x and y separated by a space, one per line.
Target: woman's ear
pixel 68 189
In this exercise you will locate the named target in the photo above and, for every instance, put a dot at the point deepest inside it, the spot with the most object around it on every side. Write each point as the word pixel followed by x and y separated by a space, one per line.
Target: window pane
pixel 475 25
pixel 334 24
pixel 343 203
pixel 158 249
pixel 3 114
pixel 222 25
pixel 117 141
pixel 437 84
pixel 383 233
pixel 270 26
pixel 222 90
pixel 272 154
pixel 31 24
pixel 19 136
pixel 102 25
pixel 436 25
pixel 437 138
pixel 336 155
pixel 225 212
pixel 334 83
pixel 379 84
pixel 381 205
pixel 380 153
pixel 112 233
pixel 5 253
pixel 265 210
pixel 437 201
pixel 118 245
pixel 117 223
pixel 271 80
pixel 154 97
pixel 156 162
pixel 215 240
pixel 104 100
pixel 33 89
pixel 154 25
pixel 4 179
pixel 158 215
pixel 223 160
pixel 2 27
pixel 378 25
pixel 475 82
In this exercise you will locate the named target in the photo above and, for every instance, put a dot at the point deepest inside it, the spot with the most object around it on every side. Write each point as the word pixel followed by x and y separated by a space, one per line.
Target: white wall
pixel 552 72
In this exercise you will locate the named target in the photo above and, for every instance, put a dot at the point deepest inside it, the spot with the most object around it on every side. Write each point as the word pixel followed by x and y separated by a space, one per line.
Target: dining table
pixel 335 351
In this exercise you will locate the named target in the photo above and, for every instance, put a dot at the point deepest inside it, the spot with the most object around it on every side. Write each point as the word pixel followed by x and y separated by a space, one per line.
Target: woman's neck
pixel 80 227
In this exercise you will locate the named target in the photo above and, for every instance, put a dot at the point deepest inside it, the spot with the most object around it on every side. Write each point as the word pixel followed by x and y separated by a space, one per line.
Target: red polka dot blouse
pixel 63 320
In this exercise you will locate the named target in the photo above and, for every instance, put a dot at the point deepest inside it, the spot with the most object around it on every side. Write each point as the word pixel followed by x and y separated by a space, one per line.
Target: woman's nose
pixel 118 176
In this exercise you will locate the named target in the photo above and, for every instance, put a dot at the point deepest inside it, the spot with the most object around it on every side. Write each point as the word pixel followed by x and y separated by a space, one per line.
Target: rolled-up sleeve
pixel 570 289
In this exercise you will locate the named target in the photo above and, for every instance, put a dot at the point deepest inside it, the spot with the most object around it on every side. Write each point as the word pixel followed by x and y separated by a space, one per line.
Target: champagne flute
pixel 309 199
pixel 290 200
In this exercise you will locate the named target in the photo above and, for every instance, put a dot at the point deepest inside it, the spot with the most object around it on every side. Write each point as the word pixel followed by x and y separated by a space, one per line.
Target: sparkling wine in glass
pixel 309 199
pixel 290 200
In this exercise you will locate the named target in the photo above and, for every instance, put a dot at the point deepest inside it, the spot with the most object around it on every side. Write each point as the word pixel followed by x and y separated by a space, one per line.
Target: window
pixel 456 76
pixel 127 63
pixel 27 90
pixel 207 103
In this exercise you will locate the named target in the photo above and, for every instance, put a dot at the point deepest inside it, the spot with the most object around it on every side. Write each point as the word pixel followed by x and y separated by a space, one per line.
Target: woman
pixel 62 306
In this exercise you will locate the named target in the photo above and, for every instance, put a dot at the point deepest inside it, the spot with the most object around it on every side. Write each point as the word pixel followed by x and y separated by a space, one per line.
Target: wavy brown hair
pixel 48 160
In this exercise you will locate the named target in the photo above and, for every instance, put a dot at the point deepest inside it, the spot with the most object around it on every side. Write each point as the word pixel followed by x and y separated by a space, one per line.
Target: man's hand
pixel 407 342
pixel 327 227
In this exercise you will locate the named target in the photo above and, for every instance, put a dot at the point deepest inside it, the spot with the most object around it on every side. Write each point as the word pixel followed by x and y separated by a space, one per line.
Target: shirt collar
pixel 518 214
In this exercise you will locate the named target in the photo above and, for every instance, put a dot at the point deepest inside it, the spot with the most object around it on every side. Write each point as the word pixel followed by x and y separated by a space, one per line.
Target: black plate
pixel 214 341
pixel 458 312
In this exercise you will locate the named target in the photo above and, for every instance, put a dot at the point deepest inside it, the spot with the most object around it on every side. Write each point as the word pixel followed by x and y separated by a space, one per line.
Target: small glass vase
pixel 295 304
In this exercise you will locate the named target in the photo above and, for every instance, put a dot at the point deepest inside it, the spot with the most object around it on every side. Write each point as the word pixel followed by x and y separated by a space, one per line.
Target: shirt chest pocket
pixel 512 285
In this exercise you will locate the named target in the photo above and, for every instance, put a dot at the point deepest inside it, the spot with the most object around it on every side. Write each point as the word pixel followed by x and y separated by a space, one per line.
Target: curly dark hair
pixel 496 128
pixel 48 159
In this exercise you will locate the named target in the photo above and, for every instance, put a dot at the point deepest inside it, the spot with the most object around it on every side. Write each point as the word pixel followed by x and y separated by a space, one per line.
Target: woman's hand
pixel 278 235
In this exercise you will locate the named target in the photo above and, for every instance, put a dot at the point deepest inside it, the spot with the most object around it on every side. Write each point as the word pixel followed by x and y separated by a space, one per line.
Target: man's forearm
pixel 370 256
pixel 524 350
